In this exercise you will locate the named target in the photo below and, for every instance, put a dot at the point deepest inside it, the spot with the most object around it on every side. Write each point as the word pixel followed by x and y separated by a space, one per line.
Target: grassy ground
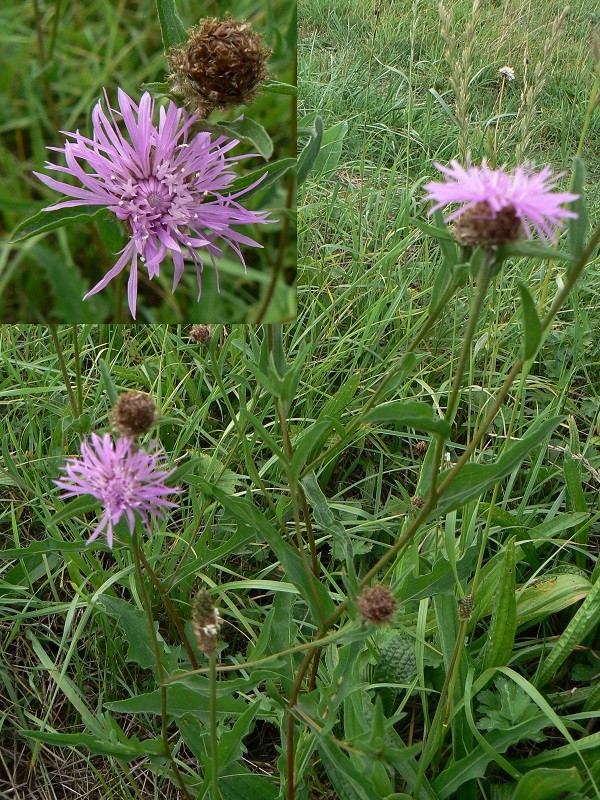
pixel 362 715
pixel 58 58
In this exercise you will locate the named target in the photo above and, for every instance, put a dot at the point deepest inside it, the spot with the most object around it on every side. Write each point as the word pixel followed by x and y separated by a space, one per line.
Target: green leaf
pixel 297 569
pixel 532 326
pixel 134 625
pixel 584 621
pixel 409 414
pixel 578 227
pixel 73 508
pixel 309 154
pixel 157 89
pixel 533 250
pixel 127 751
pixel 330 150
pixel 278 87
pixel 171 26
pixel 46 221
pixel 474 479
pixel 349 782
pixel 247 786
pixel 503 625
pixel 245 129
pixel 273 172
pixel 547 784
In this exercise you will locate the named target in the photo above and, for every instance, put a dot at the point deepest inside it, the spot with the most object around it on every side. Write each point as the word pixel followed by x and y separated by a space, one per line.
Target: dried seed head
pixel 417 502
pixel 465 607
pixel 479 224
pixel 420 449
pixel 207 621
pixel 223 65
pixel 376 604
pixel 133 414
pixel 201 333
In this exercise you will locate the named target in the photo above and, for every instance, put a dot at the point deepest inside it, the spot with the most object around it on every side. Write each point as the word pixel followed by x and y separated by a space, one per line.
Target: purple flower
pixel 523 198
pixel 168 191
pixel 123 480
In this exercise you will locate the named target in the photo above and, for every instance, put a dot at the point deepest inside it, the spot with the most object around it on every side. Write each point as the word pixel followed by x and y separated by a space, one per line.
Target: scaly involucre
pixel 528 195
pixel 123 478
pixel 167 190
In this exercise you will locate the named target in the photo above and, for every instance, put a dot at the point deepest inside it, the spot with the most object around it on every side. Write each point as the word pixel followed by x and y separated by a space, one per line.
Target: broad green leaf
pixel 46 221
pixel 575 489
pixel 73 508
pixel 171 26
pixel 191 696
pixel 325 518
pixel 331 149
pixel 503 625
pixel 439 581
pixel 134 626
pixel 66 284
pixel 311 441
pixel 349 782
pixel 273 172
pixel 532 326
pixel 247 786
pixel 547 784
pixel 578 227
pixel 584 621
pixel 474 479
pixel 409 414
pixel 566 756
pixel 309 154
pixel 450 250
pixel 244 129
pixel 157 89
pixel 475 764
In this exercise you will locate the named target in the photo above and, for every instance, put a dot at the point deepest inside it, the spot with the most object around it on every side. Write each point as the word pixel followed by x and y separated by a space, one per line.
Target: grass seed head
pixel 207 622
pixel 223 65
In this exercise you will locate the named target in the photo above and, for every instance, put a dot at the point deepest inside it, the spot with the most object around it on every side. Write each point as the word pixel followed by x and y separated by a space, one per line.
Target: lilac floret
pixel 529 194
pixel 170 192
pixel 124 480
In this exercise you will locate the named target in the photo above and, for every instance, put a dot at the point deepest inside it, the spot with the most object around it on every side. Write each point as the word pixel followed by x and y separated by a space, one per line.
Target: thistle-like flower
pixel 171 193
pixel 125 480
pixel 496 207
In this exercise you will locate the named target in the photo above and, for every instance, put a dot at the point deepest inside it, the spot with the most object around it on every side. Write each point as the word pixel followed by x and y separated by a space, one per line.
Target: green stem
pixel 63 367
pixel 214 740
pixel 77 370
pixel 136 550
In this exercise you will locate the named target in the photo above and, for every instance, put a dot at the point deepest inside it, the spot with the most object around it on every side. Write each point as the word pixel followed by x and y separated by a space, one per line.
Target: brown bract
pixel 201 333
pixel 207 621
pixel 480 225
pixel 223 65
pixel 376 604
pixel 133 414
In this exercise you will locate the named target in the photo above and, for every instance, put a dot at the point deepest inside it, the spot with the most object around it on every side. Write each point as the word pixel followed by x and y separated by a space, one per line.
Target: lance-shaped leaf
pixel 171 26
pixel 409 414
pixel 46 221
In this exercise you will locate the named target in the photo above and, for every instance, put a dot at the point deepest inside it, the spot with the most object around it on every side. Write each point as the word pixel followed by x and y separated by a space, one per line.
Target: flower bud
pixel 376 604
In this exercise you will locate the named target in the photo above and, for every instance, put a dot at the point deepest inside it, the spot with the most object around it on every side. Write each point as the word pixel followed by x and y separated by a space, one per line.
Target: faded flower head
pixel 133 414
pixel 201 333
pixel 496 206
pixel 223 64
pixel 465 607
pixel 376 604
pixel 171 193
pixel 207 622
pixel 507 72
pixel 123 479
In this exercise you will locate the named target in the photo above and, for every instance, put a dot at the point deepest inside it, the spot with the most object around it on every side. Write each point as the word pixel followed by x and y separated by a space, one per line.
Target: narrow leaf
pixel 411 414
pixel 171 26
pixel 310 152
pixel 46 221
pixel 503 625
pixel 578 227
pixel 245 130
pixel 532 326
pixel 547 784
pixel 474 479
pixel 272 172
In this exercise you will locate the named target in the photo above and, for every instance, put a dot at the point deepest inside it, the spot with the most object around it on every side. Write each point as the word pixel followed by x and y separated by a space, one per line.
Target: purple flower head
pixel 523 197
pixel 122 478
pixel 169 192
